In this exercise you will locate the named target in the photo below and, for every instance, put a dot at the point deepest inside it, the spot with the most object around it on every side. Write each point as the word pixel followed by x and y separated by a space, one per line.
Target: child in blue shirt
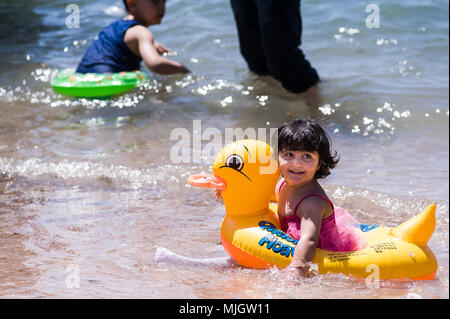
pixel 123 44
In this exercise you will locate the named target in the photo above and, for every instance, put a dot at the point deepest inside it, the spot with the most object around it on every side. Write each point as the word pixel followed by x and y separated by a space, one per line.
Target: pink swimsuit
pixel 339 232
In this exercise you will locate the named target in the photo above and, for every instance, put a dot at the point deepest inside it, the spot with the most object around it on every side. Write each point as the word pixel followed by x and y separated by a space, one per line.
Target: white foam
pixel 165 255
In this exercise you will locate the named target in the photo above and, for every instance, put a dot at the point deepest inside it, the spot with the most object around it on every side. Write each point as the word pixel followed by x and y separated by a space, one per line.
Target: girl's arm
pixel 160 48
pixel 276 194
pixel 149 52
pixel 310 212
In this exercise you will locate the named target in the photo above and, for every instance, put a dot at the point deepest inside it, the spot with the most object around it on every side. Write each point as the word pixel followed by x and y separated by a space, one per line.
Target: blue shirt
pixel 109 53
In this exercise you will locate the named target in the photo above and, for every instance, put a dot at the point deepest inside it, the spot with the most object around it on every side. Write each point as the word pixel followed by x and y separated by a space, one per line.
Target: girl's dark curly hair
pixel 308 135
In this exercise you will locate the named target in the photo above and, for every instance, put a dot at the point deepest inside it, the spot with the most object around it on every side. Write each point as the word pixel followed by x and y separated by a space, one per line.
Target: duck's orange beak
pixel 207 181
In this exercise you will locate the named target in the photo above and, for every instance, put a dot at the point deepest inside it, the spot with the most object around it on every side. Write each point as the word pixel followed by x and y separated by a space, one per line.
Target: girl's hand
pixel 217 194
pixel 303 272
pixel 300 267
pixel 160 48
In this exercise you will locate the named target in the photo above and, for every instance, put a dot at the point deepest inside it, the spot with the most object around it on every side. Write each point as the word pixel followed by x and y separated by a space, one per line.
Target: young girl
pixel 304 156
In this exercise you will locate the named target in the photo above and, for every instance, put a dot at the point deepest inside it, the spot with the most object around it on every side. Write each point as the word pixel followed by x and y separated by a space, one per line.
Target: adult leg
pixel 246 16
pixel 281 29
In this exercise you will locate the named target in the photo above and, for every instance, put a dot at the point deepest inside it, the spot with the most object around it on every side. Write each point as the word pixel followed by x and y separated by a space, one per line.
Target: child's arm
pixel 140 39
pixel 276 194
pixel 160 48
pixel 310 212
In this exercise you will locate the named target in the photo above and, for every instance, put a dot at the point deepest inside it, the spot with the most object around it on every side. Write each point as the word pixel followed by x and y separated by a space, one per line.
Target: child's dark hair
pixel 308 135
pixel 126 5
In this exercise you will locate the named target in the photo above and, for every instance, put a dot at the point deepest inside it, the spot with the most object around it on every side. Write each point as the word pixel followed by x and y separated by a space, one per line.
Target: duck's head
pixel 246 173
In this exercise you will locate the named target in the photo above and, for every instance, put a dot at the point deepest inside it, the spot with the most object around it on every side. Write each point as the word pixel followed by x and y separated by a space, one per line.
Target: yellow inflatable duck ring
pixel 246 174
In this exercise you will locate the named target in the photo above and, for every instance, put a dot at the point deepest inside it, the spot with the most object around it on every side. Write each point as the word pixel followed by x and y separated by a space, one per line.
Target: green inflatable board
pixel 95 85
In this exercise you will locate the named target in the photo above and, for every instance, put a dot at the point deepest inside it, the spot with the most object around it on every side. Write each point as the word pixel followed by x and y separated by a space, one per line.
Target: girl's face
pixel 148 12
pixel 298 167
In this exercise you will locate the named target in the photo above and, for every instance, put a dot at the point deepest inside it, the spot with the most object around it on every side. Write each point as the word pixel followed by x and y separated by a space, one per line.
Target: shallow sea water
pixel 89 187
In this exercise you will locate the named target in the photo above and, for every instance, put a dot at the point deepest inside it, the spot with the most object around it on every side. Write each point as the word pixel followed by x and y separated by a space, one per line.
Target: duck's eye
pixel 235 162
